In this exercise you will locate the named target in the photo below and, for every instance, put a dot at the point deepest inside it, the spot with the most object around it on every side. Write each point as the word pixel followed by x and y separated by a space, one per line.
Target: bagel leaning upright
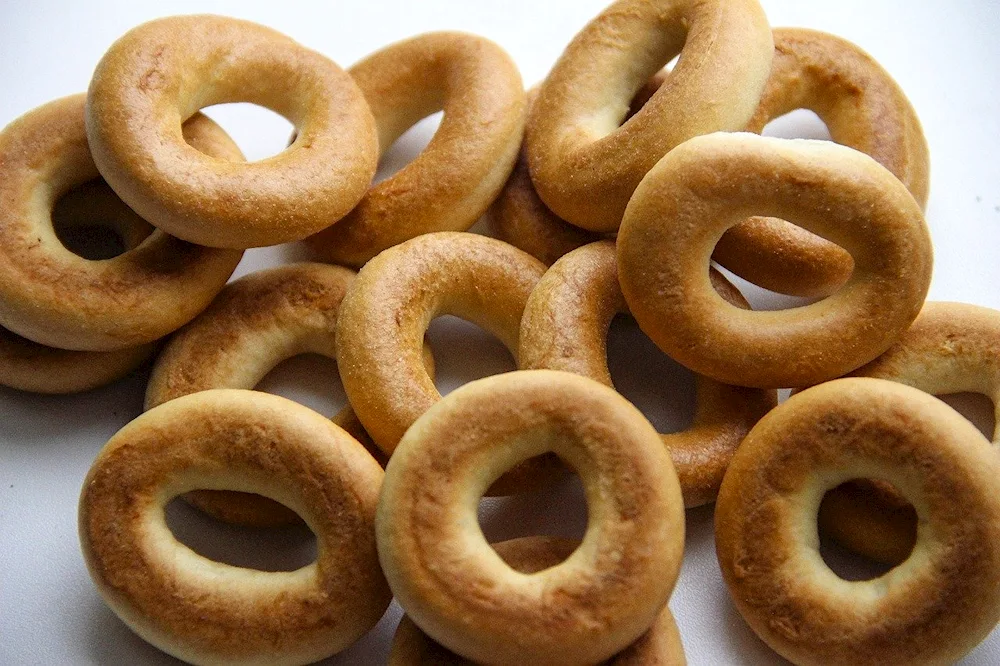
pixel 584 166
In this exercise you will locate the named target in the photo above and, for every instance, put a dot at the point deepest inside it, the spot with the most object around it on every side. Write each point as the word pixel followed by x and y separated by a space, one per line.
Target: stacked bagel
pixel 610 189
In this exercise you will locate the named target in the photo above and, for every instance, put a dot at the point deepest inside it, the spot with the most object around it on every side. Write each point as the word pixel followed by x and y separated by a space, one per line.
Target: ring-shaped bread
pixel 253 325
pixel 864 108
pixel 565 327
pixel 931 609
pixel 204 611
pixel 463 168
pixel 584 162
pixel 950 348
pixel 659 646
pixel 386 312
pixel 29 366
pixel 162 72
pixel 57 298
pixel 98 222
pixel 711 183
pixel 459 591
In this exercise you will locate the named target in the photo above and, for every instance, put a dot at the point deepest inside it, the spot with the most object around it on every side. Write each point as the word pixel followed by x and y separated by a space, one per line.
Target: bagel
pixel 661 645
pixel 160 73
pixel 711 183
pixel 56 298
pixel 950 348
pixel 204 611
pixel 931 609
pixel 521 218
pixel 584 166
pixel 389 306
pixel 565 327
pixel 29 366
pixel 252 326
pixel 864 108
pixel 456 588
pixel 86 215
pixel 460 172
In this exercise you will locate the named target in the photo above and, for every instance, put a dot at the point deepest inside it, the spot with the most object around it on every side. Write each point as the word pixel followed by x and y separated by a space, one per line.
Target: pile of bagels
pixel 610 189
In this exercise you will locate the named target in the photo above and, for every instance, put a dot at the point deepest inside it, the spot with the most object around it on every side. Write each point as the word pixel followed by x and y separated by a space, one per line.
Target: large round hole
pixel 555 509
pixel 258 131
pixel 464 352
pixel 308 379
pixel 92 222
pixel 866 527
pixel 661 388
pixel 265 549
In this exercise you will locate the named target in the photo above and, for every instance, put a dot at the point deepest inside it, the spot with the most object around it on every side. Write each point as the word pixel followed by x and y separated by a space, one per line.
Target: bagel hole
pixel 285 548
pixel 849 565
pixel 309 379
pixel 464 352
pixel 850 509
pixel 649 88
pixel 84 221
pixel 556 508
pixel 662 389
pixel 407 147
pixel 760 298
pixel 977 408
pixel 258 131
pixel 798 124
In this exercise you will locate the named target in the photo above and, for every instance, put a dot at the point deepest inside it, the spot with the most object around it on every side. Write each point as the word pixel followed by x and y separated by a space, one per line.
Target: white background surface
pixel 945 55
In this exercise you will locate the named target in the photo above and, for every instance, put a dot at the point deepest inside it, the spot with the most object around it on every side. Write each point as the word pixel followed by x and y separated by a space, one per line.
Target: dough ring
pixel 931 609
pixel 388 309
pixel 454 585
pixel 162 72
pixel 460 172
pixel 565 327
pixel 865 109
pixel 28 366
pixel 253 325
pixel 584 166
pixel 950 348
pixel 712 183
pixel 661 645
pixel 56 298
pixel 204 611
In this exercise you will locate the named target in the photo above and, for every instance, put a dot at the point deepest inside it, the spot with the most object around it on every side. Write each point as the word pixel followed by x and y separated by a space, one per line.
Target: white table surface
pixel 945 55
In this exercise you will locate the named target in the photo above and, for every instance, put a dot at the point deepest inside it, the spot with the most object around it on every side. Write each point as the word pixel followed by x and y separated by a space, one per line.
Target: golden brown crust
pixel 160 73
pixel 660 646
pixel 461 171
pixel 253 325
pixel 584 166
pixel 459 591
pixel 933 608
pixel 207 612
pixel 565 327
pixel 56 298
pixel 29 366
pixel 950 348
pixel 521 218
pixel 865 109
pixel 386 312
pixel 711 183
